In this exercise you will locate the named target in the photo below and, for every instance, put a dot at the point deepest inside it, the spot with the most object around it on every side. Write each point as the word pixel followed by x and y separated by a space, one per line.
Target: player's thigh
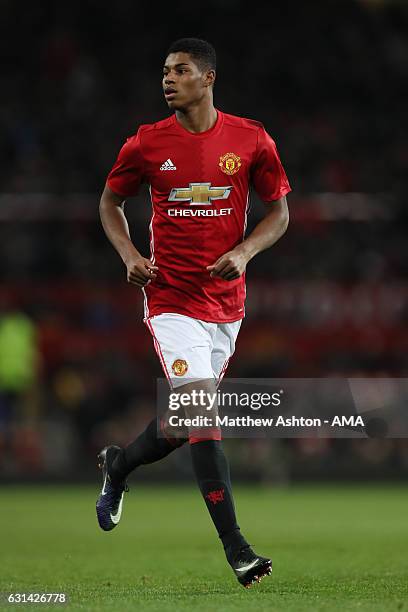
pixel 224 347
pixel 184 347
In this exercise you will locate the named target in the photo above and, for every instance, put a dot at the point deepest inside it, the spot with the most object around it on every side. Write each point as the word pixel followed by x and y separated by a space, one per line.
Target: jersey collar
pixel 211 132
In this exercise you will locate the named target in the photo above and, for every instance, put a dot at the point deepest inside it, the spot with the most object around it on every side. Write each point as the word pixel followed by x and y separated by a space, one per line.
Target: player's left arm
pixel 272 185
pixel 232 265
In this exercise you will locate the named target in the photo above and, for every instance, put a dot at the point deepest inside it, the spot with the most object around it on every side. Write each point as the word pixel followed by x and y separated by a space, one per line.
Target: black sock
pixel 147 448
pixel 212 472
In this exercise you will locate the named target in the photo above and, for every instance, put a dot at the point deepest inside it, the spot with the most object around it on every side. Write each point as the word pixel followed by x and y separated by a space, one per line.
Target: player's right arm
pixel 124 181
pixel 140 270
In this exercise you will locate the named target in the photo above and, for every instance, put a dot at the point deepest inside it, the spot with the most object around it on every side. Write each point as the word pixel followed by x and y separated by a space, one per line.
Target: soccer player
pixel 199 164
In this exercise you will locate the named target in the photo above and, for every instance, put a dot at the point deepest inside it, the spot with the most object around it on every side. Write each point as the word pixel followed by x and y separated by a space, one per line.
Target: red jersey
pixel 199 186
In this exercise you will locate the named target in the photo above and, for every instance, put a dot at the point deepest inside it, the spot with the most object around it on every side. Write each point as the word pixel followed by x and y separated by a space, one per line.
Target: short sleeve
pixel 128 171
pixel 268 176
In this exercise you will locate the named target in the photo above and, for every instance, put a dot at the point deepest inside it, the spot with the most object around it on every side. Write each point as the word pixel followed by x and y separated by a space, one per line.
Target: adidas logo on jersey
pixel 168 165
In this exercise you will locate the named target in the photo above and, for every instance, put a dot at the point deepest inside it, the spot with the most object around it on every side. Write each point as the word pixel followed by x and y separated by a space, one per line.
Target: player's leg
pixel 176 338
pixel 153 444
pixel 247 565
pixel 212 473
pixel 211 469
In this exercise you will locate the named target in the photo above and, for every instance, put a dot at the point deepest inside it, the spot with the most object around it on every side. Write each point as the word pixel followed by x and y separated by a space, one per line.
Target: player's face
pixel 184 83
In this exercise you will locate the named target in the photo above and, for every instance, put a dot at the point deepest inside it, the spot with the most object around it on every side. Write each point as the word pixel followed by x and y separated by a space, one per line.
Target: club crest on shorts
pixel 179 367
pixel 230 163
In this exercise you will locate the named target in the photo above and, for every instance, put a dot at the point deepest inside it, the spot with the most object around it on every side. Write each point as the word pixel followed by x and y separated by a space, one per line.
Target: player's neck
pixel 197 118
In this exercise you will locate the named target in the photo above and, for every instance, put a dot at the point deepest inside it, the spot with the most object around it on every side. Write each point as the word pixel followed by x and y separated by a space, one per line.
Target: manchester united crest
pixel 179 367
pixel 230 163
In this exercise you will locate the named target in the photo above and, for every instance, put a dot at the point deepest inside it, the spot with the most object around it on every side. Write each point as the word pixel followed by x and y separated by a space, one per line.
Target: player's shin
pixel 212 473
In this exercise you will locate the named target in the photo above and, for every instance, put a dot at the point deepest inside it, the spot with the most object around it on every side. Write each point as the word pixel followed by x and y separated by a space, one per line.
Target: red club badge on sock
pixel 215 496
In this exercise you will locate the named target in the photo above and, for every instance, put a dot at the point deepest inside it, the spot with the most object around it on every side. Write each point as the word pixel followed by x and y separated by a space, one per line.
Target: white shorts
pixel 190 349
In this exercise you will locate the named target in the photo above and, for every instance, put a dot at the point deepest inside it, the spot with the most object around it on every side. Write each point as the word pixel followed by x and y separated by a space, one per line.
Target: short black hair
pixel 200 50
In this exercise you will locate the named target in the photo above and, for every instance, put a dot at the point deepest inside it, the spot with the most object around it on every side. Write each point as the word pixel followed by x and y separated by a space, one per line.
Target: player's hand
pixel 140 271
pixel 229 266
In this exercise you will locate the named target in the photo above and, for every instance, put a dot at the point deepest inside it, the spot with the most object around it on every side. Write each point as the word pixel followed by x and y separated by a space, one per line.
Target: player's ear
pixel 209 78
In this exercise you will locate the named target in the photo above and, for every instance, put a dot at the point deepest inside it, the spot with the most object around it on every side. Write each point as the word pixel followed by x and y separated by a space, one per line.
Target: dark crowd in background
pixel 77 367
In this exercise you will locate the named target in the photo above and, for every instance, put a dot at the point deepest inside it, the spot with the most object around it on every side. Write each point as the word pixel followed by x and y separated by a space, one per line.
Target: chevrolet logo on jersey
pixel 199 193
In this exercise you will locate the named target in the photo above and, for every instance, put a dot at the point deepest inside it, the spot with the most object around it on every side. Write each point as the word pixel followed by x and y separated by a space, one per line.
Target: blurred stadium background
pixel 77 366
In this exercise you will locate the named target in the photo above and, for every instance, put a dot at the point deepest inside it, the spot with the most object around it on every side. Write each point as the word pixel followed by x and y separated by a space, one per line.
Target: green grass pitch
pixel 334 548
